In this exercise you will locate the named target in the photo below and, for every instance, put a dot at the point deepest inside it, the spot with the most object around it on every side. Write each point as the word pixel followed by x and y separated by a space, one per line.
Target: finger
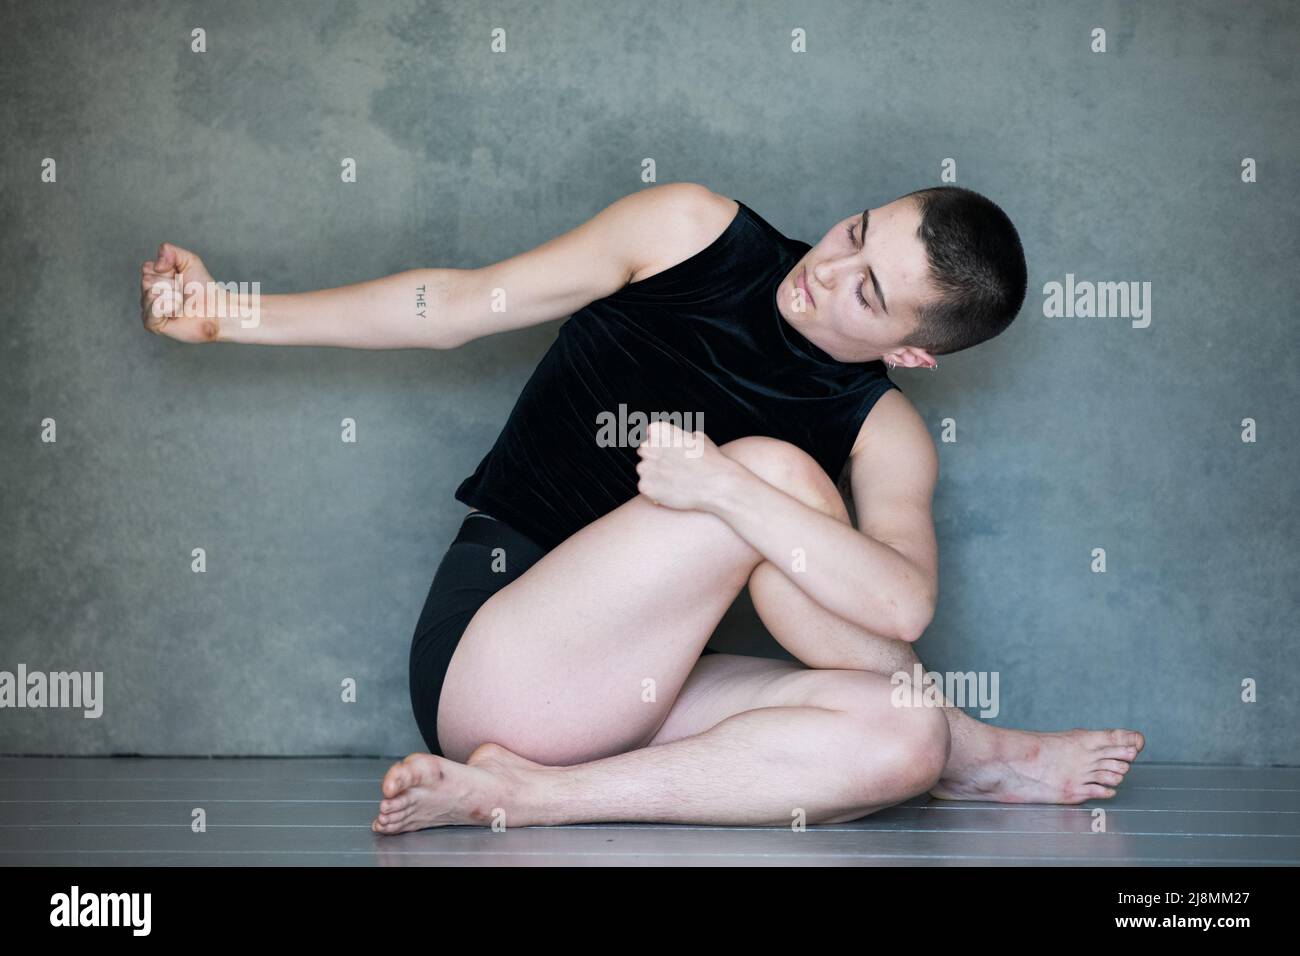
pixel 673 435
pixel 661 432
pixel 160 303
pixel 157 285
pixel 155 316
pixel 155 322
pixel 172 258
pixel 156 304
pixel 179 259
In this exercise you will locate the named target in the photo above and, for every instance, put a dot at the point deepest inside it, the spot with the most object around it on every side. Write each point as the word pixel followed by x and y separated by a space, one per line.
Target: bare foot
pixel 427 791
pixel 1069 766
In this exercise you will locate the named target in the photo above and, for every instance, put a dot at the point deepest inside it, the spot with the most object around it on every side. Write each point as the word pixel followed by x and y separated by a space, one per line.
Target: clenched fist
pixel 679 469
pixel 173 296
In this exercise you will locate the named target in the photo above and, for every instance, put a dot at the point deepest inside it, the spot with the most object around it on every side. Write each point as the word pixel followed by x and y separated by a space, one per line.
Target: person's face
pixel 856 299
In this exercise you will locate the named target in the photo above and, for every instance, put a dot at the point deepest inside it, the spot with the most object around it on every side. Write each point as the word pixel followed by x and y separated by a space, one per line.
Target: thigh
pixel 583 655
pixel 485 556
pixel 723 685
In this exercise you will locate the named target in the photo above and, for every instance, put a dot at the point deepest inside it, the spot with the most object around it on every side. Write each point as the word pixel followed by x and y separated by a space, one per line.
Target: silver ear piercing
pixel 891 363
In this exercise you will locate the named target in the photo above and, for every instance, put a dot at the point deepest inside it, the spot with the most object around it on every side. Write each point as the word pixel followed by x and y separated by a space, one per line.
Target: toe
pixel 396 824
pixel 1107 777
pixel 1117 741
pixel 399 818
pixel 409 771
pixel 1097 791
pixel 423 769
pixel 1117 753
pixel 1115 766
pixel 1123 738
pixel 395 781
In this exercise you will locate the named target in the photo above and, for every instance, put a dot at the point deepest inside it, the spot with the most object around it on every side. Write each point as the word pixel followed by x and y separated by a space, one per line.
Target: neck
pixel 835 347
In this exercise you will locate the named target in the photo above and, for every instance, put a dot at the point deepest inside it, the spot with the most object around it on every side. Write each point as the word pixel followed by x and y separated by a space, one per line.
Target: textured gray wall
pixel 1072 434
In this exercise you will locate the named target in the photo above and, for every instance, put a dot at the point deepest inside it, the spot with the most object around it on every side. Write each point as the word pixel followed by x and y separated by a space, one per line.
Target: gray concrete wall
pixel 1072 433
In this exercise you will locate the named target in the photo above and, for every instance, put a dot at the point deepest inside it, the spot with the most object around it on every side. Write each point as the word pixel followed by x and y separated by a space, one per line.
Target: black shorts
pixel 486 555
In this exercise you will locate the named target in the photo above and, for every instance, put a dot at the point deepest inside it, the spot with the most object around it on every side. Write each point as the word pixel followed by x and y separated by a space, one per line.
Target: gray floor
pixel 317 812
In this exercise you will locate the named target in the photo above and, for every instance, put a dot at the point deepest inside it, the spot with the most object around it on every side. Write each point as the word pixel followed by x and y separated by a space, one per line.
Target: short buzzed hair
pixel 977 264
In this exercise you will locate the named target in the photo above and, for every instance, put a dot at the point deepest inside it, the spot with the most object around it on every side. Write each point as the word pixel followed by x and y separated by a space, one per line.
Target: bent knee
pixel 905 745
pixel 907 758
pixel 925 745
pixel 789 468
pixel 776 462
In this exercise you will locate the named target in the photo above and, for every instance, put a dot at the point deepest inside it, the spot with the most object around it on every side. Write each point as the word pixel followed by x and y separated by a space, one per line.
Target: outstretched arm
pixel 426 308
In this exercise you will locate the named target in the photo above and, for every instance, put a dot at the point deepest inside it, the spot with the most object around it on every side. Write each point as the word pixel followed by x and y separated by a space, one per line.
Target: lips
pixel 801 282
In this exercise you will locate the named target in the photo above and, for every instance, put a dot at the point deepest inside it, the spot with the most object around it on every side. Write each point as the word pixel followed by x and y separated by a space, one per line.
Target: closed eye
pixel 861 298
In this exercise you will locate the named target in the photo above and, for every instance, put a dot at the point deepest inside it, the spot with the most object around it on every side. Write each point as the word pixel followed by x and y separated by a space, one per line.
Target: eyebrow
pixel 875 283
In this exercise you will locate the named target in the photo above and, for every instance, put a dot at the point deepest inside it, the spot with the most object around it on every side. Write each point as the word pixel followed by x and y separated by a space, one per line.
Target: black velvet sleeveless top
pixel 703 337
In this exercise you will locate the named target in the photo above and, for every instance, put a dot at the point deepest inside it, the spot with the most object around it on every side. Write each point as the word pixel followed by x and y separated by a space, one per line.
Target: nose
pixel 827 274
pixel 821 274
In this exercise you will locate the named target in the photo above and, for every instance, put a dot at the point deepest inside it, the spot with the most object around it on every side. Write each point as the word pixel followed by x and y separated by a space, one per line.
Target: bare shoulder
pixel 894 437
pixel 638 234
pixel 683 219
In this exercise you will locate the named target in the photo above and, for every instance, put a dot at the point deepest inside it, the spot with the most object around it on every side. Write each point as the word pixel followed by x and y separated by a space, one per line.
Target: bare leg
pixel 582 656
pixel 987 763
pixel 782 743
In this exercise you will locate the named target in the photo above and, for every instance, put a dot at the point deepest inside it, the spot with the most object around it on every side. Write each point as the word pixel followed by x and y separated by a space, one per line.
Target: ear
pixel 911 357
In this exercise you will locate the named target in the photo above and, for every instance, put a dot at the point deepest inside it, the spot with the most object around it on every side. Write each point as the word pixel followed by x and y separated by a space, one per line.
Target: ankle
pixel 537 796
